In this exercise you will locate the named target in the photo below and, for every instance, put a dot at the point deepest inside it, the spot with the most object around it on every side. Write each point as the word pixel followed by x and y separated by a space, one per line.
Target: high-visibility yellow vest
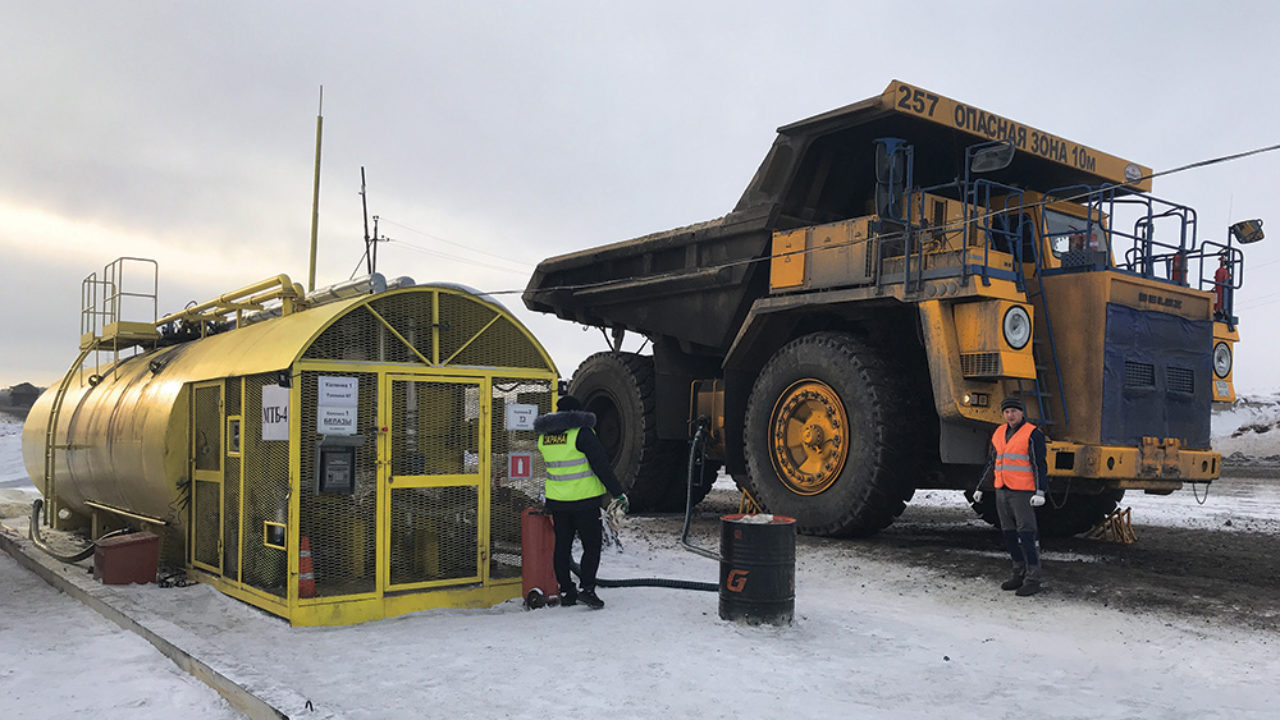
pixel 1013 458
pixel 569 475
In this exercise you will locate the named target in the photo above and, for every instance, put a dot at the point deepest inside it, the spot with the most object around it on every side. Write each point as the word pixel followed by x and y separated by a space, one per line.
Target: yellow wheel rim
pixel 809 437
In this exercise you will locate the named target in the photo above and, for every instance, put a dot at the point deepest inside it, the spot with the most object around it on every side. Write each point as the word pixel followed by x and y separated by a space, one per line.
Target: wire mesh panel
pixel 231 520
pixel 341 524
pixel 410 315
pixel 434 534
pixel 265 493
pixel 502 344
pixel 510 496
pixel 435 428
pixel 461 318
pixel 357 336
pixel 206 427
pixel 231 489
pixel 206 522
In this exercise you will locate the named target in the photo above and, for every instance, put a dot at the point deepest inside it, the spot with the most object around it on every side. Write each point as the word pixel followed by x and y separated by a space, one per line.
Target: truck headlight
pixel 1017 327
pixel 1221 360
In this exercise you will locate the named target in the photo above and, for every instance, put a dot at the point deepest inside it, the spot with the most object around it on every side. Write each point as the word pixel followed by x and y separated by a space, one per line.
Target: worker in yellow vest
pixel 578 476
pixel 1020 474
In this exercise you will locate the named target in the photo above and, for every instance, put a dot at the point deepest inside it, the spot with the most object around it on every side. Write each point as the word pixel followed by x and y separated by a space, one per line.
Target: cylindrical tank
pixel 758 569
pixel 124 441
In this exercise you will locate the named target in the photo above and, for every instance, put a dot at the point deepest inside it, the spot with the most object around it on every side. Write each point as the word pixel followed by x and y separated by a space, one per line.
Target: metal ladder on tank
pixel 92 320
pixel 51 435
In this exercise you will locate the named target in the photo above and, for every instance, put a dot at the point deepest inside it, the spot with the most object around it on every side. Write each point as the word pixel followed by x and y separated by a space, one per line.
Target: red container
pixel 125 559
pixel 537 542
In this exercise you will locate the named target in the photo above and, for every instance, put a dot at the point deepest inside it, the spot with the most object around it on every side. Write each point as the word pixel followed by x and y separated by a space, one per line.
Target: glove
pixel 619 507
pixel 1038 499
pixel 977 496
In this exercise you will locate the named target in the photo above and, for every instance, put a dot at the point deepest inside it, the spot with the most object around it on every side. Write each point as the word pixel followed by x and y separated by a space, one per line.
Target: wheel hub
pixel 808 434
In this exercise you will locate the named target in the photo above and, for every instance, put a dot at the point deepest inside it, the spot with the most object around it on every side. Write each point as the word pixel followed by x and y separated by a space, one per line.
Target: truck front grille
pixel 1181 380
pixel 1139 374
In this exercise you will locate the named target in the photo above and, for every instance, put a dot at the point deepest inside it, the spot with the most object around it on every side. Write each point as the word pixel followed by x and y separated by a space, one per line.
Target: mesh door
pixel 510 496
pixel 265 494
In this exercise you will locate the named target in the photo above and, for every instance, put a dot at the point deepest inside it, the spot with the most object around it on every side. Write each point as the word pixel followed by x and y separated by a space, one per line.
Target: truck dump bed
pixel 696 283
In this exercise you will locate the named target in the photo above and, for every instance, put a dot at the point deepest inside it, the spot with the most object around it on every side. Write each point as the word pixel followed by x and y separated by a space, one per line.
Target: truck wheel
pixel 619 389
pixel 826 438
pixel 1080 513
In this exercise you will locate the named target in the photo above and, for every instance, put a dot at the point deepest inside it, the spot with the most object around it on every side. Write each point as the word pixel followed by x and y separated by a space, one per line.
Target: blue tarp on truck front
pixel 1156 374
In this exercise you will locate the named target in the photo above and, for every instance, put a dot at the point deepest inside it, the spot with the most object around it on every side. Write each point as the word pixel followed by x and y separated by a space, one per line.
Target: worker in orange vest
pixel 1019 473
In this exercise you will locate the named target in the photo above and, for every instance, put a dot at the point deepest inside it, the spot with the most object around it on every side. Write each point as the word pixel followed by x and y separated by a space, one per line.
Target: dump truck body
pixel 906 237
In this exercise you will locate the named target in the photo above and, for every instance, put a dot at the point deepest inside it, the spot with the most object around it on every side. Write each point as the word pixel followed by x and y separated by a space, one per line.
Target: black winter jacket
pixel 588 444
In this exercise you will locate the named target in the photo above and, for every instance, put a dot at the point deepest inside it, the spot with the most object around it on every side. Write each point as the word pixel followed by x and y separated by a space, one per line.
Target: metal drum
pixel 758 569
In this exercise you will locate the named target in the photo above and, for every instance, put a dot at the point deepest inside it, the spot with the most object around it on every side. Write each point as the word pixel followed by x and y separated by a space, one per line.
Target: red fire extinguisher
pixel 1221 281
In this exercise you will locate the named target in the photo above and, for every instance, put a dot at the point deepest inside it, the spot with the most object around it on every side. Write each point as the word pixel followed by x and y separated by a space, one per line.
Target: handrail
pixel 250 296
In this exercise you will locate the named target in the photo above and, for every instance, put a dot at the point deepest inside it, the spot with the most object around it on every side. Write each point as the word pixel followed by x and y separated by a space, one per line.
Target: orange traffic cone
pixel 306 576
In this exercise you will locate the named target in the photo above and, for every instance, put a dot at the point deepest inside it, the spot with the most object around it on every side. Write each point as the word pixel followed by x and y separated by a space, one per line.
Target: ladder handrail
pixel 51 432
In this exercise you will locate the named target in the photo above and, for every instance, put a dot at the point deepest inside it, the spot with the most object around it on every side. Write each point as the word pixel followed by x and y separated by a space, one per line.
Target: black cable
pixel 650 582
pixel 33 534
pixel 695 448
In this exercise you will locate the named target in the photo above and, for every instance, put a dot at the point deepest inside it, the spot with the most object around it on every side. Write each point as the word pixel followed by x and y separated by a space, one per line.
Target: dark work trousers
pixel 1021 536
pixel 586 523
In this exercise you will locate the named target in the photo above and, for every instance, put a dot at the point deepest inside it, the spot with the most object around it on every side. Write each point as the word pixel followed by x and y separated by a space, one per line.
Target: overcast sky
pixel 184 131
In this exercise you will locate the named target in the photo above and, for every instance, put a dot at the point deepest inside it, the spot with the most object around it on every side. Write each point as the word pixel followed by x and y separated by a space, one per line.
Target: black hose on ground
pixel 695 449
pixel 650 582
pixel 33 533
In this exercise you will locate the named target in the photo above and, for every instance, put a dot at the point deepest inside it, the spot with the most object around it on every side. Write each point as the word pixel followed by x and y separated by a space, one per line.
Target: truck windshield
pixel 1068 233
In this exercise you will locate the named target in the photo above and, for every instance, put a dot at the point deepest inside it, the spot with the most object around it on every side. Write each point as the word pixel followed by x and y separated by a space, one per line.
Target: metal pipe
pixel 282 282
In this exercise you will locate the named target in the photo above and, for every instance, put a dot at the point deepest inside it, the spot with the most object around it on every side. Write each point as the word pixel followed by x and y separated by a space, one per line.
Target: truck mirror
pixel 989 159
pixel 1247 231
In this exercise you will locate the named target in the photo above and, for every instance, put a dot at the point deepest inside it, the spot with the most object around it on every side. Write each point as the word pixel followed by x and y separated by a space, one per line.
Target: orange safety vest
pixel 1013 458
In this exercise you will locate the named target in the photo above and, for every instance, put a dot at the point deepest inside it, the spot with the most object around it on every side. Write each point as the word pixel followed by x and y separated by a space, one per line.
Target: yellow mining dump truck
pixel 895 268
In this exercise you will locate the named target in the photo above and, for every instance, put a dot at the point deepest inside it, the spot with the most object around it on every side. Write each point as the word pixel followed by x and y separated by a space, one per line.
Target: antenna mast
pixel 364 203
pixel 315 195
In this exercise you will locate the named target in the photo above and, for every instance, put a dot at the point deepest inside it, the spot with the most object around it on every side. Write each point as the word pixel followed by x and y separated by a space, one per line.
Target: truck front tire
pixel 828 439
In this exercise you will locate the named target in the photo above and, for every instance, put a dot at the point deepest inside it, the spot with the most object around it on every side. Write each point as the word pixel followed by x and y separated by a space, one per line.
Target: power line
pixel 437 238
pixel 456 258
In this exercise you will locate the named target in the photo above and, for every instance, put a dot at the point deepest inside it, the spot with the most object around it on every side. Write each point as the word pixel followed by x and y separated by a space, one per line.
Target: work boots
pixel 590 599
pixel 1030 587
pixel 1015 582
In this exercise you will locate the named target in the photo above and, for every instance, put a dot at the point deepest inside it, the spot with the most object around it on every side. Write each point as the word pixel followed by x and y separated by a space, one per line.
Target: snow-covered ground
pixel 872 639
pixel 63 660
pixel 1248 433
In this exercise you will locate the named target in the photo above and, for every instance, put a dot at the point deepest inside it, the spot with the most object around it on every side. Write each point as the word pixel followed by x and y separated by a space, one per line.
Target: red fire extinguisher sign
pixel 520 466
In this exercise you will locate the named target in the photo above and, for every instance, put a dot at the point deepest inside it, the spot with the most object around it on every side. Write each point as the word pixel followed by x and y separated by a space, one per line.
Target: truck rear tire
pixel 619 389
pixel 827 439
